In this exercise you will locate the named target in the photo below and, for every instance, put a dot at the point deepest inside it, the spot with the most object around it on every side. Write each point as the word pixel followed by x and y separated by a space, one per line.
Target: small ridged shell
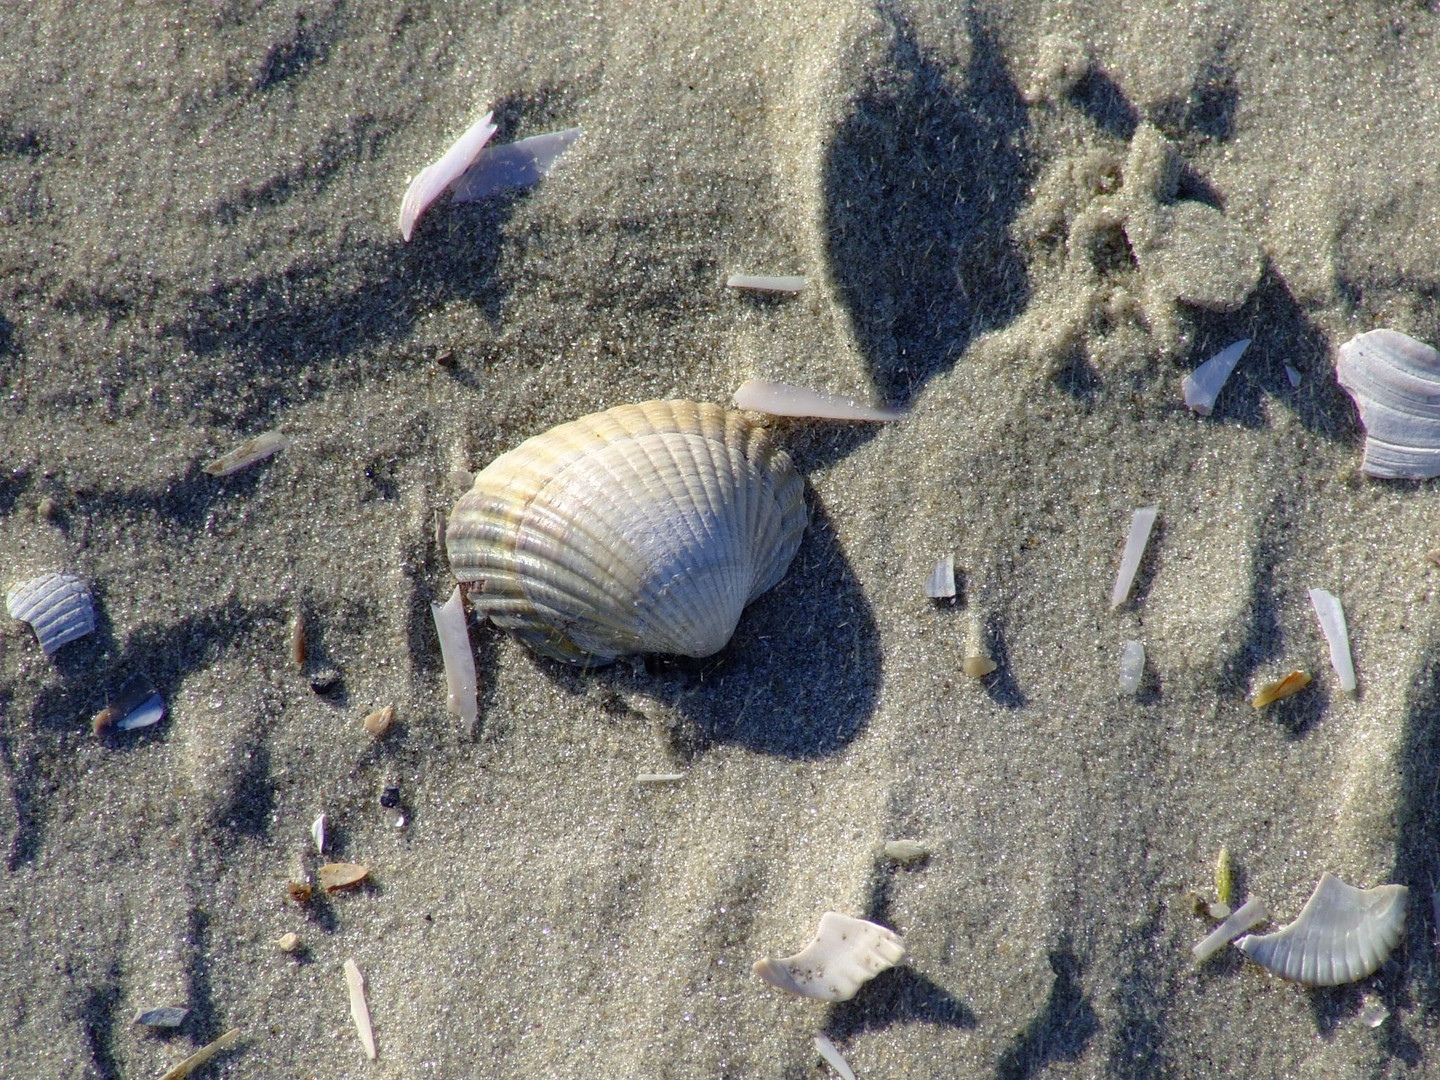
pixel 845 954
pixel 1341 934
pixel 642 529
pixel 1395 381
pixel 57 607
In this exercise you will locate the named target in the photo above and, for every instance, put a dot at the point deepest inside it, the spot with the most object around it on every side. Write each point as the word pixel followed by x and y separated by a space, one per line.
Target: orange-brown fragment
pixel 300 892
pixel 378 723
pixel 342 875
pixel 1290 684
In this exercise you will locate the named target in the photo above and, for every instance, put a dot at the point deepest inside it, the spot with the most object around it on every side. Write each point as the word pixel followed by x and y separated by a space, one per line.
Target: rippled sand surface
pixel 1021 224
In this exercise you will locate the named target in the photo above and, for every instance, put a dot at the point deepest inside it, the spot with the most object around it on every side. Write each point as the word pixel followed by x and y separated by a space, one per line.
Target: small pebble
pixel 390 798
pixel 288 943
pixel 906 851
pixel 341 875
pixel 47 509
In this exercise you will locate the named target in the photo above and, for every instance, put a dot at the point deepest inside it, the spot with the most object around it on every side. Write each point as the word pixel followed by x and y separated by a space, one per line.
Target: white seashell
pixel 643 529
pixel 1203 385
pixel 432 181
pixel 783 399
pixel 514 165
pixel 940 584
pixel 765 283
pixel 459 660
pixel 1332 623
pixel 1395 381
pixel 317 833
pixel 1132 667
pixel 845 954
pixel 1342 934
pixel 360 1008
pixel 906 851
pixel 248 453
pixel 57 607
pixel 831 1053
pixel 659 777
pixel 1141 522
pixel 1235 924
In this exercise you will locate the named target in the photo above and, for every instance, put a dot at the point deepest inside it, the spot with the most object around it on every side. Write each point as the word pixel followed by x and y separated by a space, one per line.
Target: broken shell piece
pixel 977 662
pixel 1141 522
pixel 1203 385
pixel 248 453
pixel 1395 381
pixel 1217 910
pixel 137 705
pixel 940 585
pixel 1332 623
pixel 828 1050
pixel 201 1056
pixel 57 607
pixel 288 943
pixel 1341 934
pixel 784 399
pixel 341 875
pixel 360 1008
pixel 1235 924
pixel 1282 688
pixel 764 283
pixel 906 851
pixel 298 647
pixel 519 164
pixel 844 954
pixel 378 723
pixel 432 181
pixel 1373 1014
pixel 1132 667
pixel 1293 375
pixel 300 892
pixel 459 660
pixel 659 777
pixel 317 833
pixel 168 1016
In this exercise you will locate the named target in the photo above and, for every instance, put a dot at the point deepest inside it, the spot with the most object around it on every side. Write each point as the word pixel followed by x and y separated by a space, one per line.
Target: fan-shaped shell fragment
pixel 1395 381
pixel 644 528
pixel 57 607
pixel 1342 934
pixel 845 954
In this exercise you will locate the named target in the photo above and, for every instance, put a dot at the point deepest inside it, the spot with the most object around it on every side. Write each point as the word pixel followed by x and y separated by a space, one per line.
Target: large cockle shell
pixel 1395 381
pixel 1342 934
pixel 57 607
pixel 642 529
pixel 845 954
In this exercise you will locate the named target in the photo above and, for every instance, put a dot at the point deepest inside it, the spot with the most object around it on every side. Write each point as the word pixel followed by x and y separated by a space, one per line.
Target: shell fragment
pixel 831 1053
pixel 1251 912
pixel 248 453
pixel 1395 381
pixel 1203 385
pixel 940 585
pixel 1332 623
pixel 844 954
pixel 57 607
pixel 433 180
pixel 1132 667
pixel 1341 934
pixel 1141 522
pixel 784 399
pixel 360 1008
pixel 459 660
pixel 515 165
pixel 766 283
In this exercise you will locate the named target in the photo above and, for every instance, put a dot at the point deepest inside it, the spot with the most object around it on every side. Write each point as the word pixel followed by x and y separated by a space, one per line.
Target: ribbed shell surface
pixel 57 607
pixel 644 528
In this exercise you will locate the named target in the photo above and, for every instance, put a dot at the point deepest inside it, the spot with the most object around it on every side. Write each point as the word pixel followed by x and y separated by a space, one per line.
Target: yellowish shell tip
pixel 1224 877
pixel 1282 688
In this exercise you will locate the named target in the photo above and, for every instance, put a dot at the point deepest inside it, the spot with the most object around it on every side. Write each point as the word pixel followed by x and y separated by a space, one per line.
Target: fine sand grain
pixel 1021 222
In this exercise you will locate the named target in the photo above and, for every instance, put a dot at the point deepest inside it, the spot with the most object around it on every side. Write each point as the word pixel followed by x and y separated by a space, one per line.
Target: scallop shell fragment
pixel 1342 934
pixel 845 954
pixel 57 607
pixel 642 529
pixel 1395 381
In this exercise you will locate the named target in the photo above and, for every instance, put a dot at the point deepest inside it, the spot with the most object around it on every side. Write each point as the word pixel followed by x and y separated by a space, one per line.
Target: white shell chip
pixel 844 954
pixel 57 607
pixel 432 181
pixel 1395 381
pixel 940 585
pixel 1203 385
pixel 514 165
pixel 1332 623
pixel 786 399
pixel 459 660
pixel 248 453
pixel 1141 522
pixel 1342 934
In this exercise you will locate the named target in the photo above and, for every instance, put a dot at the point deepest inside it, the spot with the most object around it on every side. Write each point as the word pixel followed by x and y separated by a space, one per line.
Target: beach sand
pixel 1023 223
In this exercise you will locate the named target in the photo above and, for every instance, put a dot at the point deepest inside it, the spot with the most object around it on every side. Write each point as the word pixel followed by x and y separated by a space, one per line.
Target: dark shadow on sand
pixel 922 182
